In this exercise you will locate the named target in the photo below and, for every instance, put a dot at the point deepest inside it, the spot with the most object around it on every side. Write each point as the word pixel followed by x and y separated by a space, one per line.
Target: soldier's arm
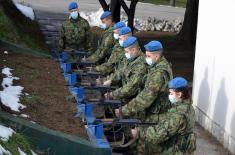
pixel 108 67
pixel 61 38
pixel 133 84
pixel 172 124
pixel 88 45
pixel 146 97
pixel 105 68
pixel 103 51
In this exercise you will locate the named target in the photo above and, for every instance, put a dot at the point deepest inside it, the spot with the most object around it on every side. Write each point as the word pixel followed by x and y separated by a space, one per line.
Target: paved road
pixel 143 10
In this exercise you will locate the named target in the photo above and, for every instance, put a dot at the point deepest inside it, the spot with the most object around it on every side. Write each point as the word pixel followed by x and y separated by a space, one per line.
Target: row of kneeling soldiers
pixel 145 83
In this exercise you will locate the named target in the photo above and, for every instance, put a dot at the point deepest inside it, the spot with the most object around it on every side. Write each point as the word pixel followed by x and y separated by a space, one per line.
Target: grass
pixel 178 3
pixel 30 99
pixel 17 141
pixel 17 28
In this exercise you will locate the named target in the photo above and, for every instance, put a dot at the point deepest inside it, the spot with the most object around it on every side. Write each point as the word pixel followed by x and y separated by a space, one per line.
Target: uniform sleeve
pixel 132 86
pixel 61 38
pixel 108 67
pixel 103 51
pixel 168 127
pixel 146 97
pixel 88 45
pixel 105 68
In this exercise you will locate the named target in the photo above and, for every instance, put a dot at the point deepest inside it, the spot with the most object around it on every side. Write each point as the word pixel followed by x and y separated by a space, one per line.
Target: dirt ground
pixel 46 102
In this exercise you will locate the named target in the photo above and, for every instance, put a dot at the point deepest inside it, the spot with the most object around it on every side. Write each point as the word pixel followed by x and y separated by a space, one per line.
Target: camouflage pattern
pixel 112 64
pixel 105 48
pixel 153 98
pixel 173 135
pixel 130 77
pixel 75 34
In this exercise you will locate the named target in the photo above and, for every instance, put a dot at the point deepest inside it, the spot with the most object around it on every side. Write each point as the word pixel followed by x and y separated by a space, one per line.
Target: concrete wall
pixel 214 73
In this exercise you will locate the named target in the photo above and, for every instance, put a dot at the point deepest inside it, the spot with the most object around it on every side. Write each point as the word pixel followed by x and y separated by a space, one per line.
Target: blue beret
pixel 105 15
pixel 177 82
pixel 129 41
pixel 119 25
pixel 124 30
pixel 73 5
pixel 153 46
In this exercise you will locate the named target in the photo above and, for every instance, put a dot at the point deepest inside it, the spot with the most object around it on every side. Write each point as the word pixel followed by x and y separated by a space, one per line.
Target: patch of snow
pixel 27 11
pixel 33 153
pixel 5 133
pixel 24 115
pixel 4 151
pixel 93 18
pixel 10 94
pixel 7 71
pixel 33 122
pixel 26 94
pixel 21 152
pixel 150 24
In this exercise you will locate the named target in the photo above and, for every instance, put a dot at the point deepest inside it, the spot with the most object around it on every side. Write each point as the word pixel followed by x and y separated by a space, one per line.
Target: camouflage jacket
pixel 75 34
pixel 112 64
pixel 130 76
pixel 153 98
pixel 174 133
pixel 106 46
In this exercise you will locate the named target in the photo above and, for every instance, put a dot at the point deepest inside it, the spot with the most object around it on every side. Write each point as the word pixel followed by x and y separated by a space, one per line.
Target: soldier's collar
pixel 74 20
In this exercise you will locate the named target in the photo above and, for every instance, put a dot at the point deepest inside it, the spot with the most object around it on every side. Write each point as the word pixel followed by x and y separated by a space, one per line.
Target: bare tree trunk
pixel 104 5
pixel 188 32
pixel 131 15
pixel 130 11
pixel 172 2
pixel 115 9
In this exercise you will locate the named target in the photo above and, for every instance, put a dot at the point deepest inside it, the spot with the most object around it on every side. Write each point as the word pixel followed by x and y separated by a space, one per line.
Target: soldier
pixel 152 99
pixel 120 59
pixel 116 55
pixel 174 133
pixel 131 74
pixel 107 40
pixel 75 33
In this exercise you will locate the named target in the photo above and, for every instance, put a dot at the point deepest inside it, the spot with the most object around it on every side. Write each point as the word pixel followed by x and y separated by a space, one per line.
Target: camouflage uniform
pixel 112 64
pixel 75 34
pixel 173 135
pixel 130 76
pixel 106 46
pixel 153 99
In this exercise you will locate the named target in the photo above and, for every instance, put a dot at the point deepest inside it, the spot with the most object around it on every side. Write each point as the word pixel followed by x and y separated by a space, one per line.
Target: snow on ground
pixel 93 17
pixel 24 115
pixel 27 11
pixel 4 151
pixel 5 133
pixel 21 152
pixel 150 24
pixel 10 95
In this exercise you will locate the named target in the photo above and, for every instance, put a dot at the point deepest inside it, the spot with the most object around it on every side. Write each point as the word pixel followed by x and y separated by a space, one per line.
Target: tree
pixel 188 32
pixel 115 9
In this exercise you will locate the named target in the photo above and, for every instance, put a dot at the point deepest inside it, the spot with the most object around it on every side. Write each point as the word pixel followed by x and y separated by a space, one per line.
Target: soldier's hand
pixel 134 132
pixel 107 83
pixel 108 96
pixel 99 81
pixel 84 59
pixel 117 112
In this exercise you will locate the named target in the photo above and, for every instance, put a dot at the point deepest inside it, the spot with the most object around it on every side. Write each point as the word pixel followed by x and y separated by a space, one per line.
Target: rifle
pixel 100 88
pixel 99 102
pixel 126 122
pixel 75 52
